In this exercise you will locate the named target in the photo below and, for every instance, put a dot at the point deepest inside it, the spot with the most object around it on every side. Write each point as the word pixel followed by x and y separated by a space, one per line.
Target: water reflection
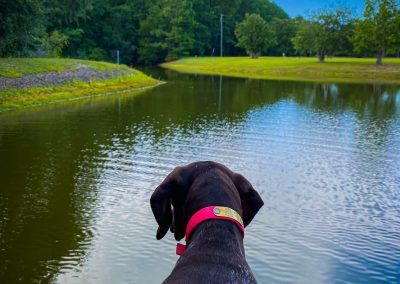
pixel 48 193
pixel 76 178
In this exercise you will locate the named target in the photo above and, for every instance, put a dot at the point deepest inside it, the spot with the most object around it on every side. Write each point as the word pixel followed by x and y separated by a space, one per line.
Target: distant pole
pixel 221 22
pixel 118 56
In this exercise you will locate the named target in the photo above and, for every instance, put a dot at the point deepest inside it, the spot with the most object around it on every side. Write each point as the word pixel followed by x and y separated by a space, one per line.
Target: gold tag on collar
pixel 228 213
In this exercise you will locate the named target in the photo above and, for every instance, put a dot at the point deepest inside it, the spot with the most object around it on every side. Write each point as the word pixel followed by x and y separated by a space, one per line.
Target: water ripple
pixel 328 175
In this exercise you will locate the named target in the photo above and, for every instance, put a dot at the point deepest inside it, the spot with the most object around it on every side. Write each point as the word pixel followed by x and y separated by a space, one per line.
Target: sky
pixel 304 7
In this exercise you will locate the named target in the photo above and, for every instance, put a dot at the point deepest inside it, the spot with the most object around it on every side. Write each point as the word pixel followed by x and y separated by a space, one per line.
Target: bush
pixel 98 54
pixel 55 43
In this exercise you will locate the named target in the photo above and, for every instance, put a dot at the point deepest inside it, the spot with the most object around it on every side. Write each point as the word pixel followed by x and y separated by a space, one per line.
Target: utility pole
pixel 221 22
pixel 118 56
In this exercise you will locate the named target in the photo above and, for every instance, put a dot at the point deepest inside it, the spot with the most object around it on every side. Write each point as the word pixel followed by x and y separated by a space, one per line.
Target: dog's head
pixel 192 187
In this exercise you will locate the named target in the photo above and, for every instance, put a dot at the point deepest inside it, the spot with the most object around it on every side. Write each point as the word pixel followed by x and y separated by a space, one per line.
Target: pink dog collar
pixel 210 213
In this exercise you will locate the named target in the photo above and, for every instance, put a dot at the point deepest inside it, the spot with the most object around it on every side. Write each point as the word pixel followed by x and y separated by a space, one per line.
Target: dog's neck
pixel 215 246
pixel 223 237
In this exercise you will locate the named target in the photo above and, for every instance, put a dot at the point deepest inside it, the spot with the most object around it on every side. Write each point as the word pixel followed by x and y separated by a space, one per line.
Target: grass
pixel 18 67
pixel 337 70
pixel 21 98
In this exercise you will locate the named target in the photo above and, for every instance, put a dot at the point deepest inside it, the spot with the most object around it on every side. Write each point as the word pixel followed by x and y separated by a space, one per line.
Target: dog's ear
pixel 251 200
pixel 170 192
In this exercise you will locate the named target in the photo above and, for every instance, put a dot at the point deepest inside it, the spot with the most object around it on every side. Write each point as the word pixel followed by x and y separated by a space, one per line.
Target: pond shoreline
pixel 33 82
pixel 42 104
pixel 302 69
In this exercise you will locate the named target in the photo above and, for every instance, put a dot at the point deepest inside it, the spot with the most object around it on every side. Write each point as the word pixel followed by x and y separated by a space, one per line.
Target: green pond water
pixel 76 178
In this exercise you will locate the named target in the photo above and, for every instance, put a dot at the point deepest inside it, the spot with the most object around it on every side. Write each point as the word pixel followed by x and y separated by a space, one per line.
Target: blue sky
pixel 304 7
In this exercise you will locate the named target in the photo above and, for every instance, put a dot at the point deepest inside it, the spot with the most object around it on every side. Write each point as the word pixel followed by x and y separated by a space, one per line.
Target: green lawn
pixel 13 98
pixel 18 67
pixel 293 68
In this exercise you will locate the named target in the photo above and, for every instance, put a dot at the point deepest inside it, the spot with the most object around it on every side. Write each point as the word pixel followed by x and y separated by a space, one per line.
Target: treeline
pixel 329 32
pixel 337 32
pixel 145 31
pixel 153 31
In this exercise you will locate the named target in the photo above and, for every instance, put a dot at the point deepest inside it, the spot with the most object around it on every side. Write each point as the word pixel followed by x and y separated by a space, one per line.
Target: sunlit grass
pixel 293 68
pixel 18 67
pixel 14 98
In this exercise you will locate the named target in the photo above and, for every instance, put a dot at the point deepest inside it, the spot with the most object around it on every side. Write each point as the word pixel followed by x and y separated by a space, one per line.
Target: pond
pixel 75 179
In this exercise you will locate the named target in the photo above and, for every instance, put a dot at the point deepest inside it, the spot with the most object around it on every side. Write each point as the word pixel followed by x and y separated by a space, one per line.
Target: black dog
pixel 215 252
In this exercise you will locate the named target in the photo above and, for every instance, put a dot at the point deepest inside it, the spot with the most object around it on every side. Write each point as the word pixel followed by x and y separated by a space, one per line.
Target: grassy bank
pixel 19 67
pixel 113 78
pixel 297 69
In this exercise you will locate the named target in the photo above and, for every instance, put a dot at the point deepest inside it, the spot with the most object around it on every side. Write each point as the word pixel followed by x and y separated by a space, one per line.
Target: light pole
pixel 221 22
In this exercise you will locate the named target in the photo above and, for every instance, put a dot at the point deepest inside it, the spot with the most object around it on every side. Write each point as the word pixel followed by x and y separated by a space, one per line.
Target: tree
pixel 254 35
pixel 268 10
pixel 20 21
pixel 102 28
pixel 69 19
pixel 167 32
pixel 55 43
pixel 285 30
pixel 149 31
pixel 309 40
pixel 207 17
pixel 324 34
pixel 378 32
pixel 60 13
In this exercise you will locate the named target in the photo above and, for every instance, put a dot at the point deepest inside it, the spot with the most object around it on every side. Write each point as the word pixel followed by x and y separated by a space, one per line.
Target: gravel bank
pixel 60 78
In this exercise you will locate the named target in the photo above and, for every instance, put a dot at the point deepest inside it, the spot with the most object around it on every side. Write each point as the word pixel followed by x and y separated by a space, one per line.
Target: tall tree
pixel 19 22
pixel 285 30
pixel 324 34
pixel 104 28
pixel 61 13
pixel 167 32
pixel 254 35
pixel 267 9
pixel 207 17
pixel 68 18
pixel 379 30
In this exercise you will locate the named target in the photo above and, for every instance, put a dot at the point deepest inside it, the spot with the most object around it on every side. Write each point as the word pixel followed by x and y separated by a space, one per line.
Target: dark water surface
pixel 75 180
